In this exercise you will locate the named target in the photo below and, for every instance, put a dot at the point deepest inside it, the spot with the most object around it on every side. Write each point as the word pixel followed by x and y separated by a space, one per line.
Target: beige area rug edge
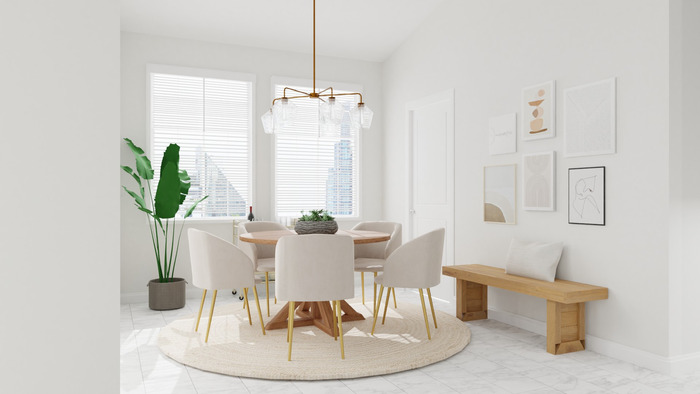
pixel 237 348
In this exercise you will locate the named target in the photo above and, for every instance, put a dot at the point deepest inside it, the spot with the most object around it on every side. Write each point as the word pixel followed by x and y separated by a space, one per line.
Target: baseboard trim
pixel 674 365
pixel 139 297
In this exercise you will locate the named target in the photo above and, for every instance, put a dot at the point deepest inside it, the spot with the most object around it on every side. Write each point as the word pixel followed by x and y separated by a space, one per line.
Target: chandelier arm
pixel 284 93
pixel 290 97
pixel 344 94
pixel 325 90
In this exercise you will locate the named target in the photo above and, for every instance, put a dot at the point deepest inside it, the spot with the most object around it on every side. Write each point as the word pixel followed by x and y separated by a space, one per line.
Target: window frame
pixel 351 87
pixel 206 73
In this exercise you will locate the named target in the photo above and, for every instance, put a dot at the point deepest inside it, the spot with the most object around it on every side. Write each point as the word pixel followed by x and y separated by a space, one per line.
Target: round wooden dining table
pixel 319 314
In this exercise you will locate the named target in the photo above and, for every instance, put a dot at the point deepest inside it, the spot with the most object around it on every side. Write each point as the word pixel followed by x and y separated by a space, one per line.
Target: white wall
pixel 137 262
pixel 685 182
pixel 59 151
pixel 691 174
pixel 488 51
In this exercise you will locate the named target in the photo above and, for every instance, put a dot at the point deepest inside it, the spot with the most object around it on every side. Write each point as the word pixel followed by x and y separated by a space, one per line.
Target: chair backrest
pixel 417 263
pixel 379 250
pixel 218 264
pixel 258 251
pixel 315 267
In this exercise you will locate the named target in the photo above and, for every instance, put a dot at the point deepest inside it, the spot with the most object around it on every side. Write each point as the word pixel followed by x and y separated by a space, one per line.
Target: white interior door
pixel 431 175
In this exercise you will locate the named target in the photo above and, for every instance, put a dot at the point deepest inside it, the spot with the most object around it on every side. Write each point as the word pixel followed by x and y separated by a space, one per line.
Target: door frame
pixel 447 95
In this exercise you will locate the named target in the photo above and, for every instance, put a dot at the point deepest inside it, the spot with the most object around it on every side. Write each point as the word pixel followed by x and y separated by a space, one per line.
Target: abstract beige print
pixel 538 111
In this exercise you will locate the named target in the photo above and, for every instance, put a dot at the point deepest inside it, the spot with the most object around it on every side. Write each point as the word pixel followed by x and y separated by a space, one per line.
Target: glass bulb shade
pixel 326 126
pixel 268 122
pixel 362 116
pixel 366 115
pixel 335 110
pixel 328 120
pixel 283 112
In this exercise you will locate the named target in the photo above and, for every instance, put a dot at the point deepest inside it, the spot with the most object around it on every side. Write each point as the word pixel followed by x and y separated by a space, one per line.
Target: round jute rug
pixel 237 348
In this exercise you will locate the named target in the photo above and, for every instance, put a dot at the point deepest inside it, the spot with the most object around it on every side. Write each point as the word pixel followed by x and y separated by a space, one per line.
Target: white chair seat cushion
pixel 369 265
pixel 379 279
pixel 266 265
pixel 536 260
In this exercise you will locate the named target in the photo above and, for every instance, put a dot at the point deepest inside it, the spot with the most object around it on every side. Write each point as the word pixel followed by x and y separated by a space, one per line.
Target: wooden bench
pixel 566 312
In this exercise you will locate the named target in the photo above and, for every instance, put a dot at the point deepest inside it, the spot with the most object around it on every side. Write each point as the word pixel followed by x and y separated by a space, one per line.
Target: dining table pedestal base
pixel 319 314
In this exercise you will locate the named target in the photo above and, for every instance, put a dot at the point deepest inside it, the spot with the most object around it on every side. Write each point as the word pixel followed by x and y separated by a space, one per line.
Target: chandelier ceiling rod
pixel 314 87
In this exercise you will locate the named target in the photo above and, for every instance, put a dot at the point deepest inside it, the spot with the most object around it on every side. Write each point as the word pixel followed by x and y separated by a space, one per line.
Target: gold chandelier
pixel 331 112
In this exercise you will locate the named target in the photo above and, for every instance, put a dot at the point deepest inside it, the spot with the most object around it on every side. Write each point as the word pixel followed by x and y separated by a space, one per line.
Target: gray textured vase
pixel 312 227
pixel 163 296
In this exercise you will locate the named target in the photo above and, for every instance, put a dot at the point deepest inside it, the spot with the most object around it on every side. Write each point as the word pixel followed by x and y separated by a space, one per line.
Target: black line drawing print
pixel 584 198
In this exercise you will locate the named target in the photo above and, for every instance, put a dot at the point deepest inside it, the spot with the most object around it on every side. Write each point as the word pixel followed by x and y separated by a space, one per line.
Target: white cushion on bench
pixel 536 260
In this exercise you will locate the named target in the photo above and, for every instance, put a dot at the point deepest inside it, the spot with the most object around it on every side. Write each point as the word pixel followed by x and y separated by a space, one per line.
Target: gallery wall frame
pixel 590 119
pixel 500 194
pixel 502 134
pixel 587 195
pixel 539 111
pixel 538 181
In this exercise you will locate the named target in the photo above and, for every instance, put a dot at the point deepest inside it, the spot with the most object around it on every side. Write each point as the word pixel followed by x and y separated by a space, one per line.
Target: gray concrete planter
pixel 312 227
pixel 167 295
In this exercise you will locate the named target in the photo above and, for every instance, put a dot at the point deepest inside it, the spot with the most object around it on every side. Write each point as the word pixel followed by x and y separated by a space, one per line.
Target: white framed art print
pixel 589 119
pixel 538 181
pixel 502 134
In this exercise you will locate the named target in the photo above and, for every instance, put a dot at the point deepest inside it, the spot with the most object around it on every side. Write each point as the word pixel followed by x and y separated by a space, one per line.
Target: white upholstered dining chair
pixel 262 255
pixel 219 264
pixel 416 264
pixel 312 268
pixel 371 257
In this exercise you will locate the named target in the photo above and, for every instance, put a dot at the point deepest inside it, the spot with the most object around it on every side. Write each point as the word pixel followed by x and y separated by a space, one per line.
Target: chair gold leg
pixel 374 301
pixel 247 305
pixel 425 313
pixel 340 329
pixel 275 299
pixel 386 304
pixel 432 309
pixel 335 323
pixel 257 303
pixel 289 315
pixel 376 307
pixel 201 305
pixel 362 276
pixel 290 329
pixel 267 292
pixel 393 292
pixel 211 314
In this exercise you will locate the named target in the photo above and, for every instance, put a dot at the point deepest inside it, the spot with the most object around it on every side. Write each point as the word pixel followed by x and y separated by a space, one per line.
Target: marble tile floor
pixel 500 359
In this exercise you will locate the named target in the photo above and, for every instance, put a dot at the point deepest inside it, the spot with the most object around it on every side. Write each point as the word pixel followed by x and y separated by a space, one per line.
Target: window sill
pixel 214 220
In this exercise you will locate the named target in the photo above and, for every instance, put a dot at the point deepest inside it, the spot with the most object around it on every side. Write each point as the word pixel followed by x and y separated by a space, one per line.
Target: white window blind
pixel 211 120
pixel 313 172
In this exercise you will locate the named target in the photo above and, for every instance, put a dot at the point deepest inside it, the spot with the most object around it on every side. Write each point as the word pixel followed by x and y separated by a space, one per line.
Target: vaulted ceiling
pixel 355 29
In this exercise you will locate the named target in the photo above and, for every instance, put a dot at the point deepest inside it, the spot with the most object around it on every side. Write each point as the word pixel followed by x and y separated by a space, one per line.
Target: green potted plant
pixel 166 292
pixel 317 221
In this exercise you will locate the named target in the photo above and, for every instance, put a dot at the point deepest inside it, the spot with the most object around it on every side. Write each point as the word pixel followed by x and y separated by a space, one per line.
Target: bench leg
pixel 566 327
pixel 472 301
